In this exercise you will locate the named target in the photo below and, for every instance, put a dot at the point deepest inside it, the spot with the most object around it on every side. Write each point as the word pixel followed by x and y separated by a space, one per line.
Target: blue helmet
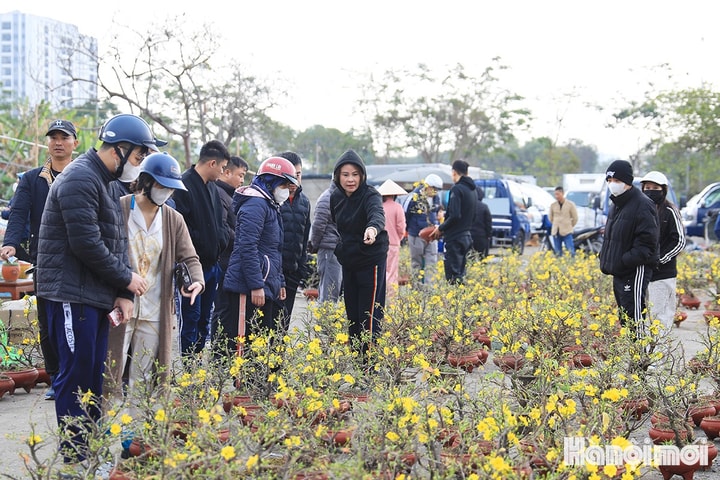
pixel 129 128
pixel 164 169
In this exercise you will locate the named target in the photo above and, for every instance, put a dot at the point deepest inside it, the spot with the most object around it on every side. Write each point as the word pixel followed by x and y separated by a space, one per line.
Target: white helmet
pixel 655 177
pixel 434 181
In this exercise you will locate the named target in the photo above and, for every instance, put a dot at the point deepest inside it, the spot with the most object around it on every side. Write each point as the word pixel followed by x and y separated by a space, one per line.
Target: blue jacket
pixel 418 211
pixel 256 259
pixel 28 204
pixel 83 247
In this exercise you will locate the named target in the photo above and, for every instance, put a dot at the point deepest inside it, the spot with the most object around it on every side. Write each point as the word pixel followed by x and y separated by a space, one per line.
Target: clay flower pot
pixel 339 437
pixel 688 300
pixel 680 317
pixel 10 272
pixel 711 426
pixel 233 401
pixel 661 433
pixel 43 377
pixel 701 411
pixel 469 361
pixel 582 360
pixel 711 313
pixel 636 407
pixel 311 293
pixel 509 361
pixel 7 384
pixel 24 379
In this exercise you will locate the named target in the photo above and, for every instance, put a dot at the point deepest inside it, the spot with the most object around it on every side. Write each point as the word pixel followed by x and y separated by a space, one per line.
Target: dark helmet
pixel 129 128
pixel 279 167
pixel 164 169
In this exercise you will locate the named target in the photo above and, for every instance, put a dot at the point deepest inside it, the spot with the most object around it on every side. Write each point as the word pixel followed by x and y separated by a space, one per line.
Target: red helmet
pixel 279 167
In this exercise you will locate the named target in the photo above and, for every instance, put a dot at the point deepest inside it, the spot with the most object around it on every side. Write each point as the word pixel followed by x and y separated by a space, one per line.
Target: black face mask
pixel 657 196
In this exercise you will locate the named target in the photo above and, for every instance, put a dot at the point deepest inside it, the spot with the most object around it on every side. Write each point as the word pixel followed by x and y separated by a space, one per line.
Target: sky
pixel 564 57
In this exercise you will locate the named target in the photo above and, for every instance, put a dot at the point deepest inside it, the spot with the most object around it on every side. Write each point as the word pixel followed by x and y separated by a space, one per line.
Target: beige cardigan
pixel 177 247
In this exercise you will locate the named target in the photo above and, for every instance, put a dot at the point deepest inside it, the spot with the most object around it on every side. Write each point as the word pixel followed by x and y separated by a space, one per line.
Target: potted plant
pixel 312 283
pixel 14 363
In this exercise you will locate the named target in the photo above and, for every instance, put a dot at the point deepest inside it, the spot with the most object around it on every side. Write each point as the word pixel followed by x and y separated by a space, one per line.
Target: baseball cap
pixel 62 126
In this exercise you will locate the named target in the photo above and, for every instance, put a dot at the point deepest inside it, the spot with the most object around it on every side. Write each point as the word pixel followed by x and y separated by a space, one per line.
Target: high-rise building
pixel 42 59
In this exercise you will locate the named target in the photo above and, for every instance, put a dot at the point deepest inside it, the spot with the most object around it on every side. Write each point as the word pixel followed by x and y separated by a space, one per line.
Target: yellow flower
pixel 160 415
pixel 34 439
pixel 251 462
pixel 115 429
pixel 392 436
pixel 228 452
pixel 610 470
pixel 125 419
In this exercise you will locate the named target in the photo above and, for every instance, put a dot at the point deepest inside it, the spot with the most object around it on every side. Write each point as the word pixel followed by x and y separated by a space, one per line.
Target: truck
pixel 700 212
pixel 508 206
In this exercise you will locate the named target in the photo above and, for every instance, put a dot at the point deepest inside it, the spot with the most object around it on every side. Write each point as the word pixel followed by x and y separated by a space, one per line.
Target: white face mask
pixel 281 194
pixel 160 195
pixel 130 173
pixel 616 188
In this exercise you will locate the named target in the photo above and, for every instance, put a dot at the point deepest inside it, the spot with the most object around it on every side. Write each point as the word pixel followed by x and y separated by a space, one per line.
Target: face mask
pixel 616 188
pixel 130 173
pixel 160 195
pixel 657 196
pixel 281 194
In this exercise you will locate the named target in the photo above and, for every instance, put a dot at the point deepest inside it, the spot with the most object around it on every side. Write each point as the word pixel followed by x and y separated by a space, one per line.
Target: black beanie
pixel 621 170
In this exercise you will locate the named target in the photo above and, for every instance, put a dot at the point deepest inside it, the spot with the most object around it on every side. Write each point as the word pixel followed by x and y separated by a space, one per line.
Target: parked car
pixel 508 205
pixel 700 209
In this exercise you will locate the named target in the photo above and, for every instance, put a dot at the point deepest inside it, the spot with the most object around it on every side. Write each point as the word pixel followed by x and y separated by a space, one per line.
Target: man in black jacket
pixel 295 214
pixel 629 249
pixel 204 215
pixel 83 270
pixel 458 221
pixel 481 230
pixel 28 205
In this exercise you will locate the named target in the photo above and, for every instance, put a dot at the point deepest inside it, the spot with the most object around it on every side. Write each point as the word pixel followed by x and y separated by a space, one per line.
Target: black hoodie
pixel 353 214
pixel 460 210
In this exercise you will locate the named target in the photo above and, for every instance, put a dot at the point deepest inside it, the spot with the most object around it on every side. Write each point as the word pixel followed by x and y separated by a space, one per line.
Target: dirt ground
pixel 21 412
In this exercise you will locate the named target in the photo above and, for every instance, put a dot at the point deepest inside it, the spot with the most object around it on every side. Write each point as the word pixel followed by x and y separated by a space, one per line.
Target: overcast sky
pixel 563 55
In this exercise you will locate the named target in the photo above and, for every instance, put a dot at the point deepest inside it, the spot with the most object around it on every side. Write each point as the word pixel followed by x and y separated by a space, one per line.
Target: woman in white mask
pixel 254 279
pixel 158 240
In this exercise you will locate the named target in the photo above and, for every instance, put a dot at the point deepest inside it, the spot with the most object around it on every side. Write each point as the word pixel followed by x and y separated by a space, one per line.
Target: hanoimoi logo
pixel 577 451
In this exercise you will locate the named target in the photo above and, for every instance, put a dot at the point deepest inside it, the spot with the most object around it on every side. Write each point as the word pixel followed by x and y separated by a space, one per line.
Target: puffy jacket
pixel 671 241
pixel 296 232
pixel 323 231
pixel 202 209
pixel 256 259
pixel 460 210
pixel 28 203
pixel 82 248
pixel 419 212
pixel 226 193
pixel 353 214
pixel 631 234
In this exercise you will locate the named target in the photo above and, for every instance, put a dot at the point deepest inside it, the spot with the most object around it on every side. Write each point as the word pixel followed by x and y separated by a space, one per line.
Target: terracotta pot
pixel 712 453
pixel 7 384
pixel 636 407
pixel 509 361
pixel 311 293
pixel 709 314
pixel 469 361
pixel 10 273
pixel 582 360
pixel 137 449
pixel 687 472
pixel 339 437
pixel 117 474
pixel 311 476
pixel 233 401
pixel 711 426
pixel 24 379
pixel 701 411
pixel 661 434
pixel 403 280
pixel 680 317
pixel 43 377
pixel 690 301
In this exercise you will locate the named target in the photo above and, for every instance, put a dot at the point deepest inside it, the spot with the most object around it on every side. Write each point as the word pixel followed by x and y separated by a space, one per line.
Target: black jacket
pixel 27 207
pixel 460 211
pixel 353 214
pixel 82 248
pixel 226 193
pixel 204 215
pixel 296 231
pixel 482 223
pixel 671 242
pixel 631 235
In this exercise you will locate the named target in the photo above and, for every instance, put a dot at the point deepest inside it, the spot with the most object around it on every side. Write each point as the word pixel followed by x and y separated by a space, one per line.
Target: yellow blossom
pixel 34 439
pixel 125 419
pixel 392 436
pixel 228 452
pixel 160 415
pixel 115 429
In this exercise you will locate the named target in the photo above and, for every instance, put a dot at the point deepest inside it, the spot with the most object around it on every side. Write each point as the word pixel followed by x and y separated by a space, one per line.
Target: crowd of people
pixel 122 231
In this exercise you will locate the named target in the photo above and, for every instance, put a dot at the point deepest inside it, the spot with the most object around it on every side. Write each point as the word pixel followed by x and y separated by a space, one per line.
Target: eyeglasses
pixel 139 154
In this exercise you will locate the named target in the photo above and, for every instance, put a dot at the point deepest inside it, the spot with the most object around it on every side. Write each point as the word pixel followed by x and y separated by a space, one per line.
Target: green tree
pixel 452 112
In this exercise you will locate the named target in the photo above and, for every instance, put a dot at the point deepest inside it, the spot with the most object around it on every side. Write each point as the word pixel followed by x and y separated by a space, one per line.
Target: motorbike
pixel 588 240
